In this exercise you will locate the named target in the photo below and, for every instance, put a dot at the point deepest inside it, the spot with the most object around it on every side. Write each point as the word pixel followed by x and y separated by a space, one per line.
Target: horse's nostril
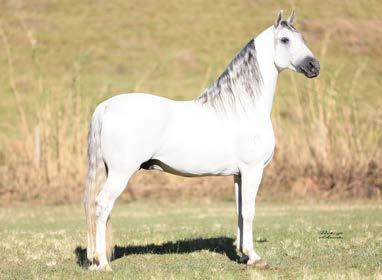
pixel 310 67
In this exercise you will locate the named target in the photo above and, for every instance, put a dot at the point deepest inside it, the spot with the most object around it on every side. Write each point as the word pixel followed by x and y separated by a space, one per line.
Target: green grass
pixel 158 240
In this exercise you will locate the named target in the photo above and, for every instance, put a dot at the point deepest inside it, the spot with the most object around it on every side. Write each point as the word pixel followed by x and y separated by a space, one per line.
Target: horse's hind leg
pixel 114 186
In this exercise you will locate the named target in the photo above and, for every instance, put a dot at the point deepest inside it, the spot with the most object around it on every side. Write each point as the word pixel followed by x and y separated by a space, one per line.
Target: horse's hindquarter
pixel 132 128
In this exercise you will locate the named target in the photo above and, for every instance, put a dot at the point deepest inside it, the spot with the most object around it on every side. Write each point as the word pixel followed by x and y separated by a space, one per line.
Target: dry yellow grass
pixel 44 147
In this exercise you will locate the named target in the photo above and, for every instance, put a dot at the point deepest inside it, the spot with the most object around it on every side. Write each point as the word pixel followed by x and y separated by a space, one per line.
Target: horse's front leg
pixel 247 186
pixel 239 235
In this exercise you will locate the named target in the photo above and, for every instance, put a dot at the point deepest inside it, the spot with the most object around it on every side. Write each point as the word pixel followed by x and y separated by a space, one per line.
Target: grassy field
pixel 158 240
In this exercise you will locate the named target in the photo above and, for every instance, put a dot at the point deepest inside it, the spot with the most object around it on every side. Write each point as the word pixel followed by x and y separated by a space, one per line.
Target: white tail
pixel 95 180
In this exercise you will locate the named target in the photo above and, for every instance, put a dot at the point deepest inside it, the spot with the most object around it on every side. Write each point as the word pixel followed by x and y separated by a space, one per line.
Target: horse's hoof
pixel 261 264
pixel 94 267
pixel 244 259
pixel 107 268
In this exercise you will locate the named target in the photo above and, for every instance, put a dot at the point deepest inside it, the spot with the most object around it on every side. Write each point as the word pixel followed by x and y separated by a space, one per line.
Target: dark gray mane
pixel 242 77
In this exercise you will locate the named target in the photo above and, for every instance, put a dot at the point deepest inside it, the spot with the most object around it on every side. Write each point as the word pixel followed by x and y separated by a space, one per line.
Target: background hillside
pixel 58 59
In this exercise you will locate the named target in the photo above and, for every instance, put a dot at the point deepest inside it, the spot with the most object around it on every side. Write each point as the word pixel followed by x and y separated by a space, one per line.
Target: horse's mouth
pixel 311 74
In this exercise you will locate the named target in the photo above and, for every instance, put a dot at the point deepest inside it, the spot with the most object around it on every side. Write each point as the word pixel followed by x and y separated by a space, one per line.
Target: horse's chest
pixel 256 146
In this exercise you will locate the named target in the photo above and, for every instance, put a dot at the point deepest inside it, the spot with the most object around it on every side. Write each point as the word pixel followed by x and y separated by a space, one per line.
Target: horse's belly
pixel 197 143
pixel 189 170
pixel 197 153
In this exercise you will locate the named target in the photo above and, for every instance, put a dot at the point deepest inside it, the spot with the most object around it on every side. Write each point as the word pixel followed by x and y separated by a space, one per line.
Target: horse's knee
pixel 248 215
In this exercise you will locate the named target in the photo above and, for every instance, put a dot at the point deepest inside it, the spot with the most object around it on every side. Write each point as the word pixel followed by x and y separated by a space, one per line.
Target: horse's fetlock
pixel 96 259
pixel 247 251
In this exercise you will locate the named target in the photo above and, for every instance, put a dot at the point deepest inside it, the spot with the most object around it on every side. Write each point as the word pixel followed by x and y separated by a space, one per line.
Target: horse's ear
pixel 291 18
pixel 278 18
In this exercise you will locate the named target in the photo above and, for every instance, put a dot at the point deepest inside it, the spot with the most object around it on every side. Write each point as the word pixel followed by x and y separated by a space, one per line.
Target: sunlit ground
pixel 158 240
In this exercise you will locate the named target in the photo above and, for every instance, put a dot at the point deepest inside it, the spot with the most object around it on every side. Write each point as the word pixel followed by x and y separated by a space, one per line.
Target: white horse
pixel 225 131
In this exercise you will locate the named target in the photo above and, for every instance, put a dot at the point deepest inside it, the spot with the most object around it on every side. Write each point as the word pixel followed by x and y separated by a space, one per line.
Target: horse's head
pixel 290 49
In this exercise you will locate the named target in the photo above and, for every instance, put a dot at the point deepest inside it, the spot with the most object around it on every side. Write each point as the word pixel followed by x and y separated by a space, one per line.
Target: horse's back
pixel 136 101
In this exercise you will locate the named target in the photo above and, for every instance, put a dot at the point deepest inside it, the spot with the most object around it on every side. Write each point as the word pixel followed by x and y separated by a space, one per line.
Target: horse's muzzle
pixel 310 67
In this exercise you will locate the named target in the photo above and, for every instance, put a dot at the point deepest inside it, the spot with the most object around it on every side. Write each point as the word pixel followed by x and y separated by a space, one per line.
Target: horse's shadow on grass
pixel 222 245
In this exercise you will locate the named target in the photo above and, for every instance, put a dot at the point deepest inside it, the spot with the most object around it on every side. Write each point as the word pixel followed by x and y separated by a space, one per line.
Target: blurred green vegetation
pixel 173 48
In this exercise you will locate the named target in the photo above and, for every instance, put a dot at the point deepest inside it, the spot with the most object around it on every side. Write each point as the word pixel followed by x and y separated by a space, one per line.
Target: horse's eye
pixel 284 40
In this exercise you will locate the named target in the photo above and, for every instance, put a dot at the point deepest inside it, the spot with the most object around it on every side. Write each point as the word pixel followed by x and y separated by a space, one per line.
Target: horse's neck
pixel 252 107
pixel 247 87
pixel 264 44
